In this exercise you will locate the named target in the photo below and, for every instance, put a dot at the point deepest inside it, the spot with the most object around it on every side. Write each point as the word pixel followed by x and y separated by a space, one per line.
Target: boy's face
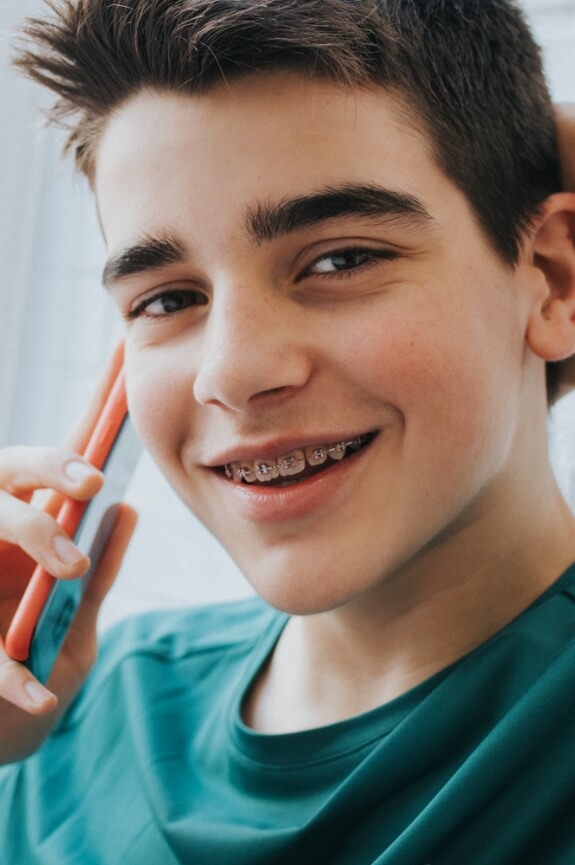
pixel 301 274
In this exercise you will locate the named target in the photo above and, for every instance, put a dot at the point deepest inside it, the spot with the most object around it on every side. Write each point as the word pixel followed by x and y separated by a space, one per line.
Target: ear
pixel 551 326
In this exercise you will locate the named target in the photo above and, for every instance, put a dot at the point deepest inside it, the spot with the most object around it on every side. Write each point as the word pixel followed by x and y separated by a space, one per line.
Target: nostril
pixel 256 371
pixel 272 391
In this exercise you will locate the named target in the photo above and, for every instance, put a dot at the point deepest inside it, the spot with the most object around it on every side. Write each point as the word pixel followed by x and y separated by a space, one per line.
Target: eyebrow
pixel 267 221
pixel 148 253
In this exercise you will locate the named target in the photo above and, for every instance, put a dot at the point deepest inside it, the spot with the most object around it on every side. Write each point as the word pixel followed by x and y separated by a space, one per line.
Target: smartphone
pixel 48 605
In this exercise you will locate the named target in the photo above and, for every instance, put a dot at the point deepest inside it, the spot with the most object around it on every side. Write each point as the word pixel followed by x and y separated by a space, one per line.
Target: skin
pixel 420 547
pixel 450 522
pixel 565 117
pixel 28 710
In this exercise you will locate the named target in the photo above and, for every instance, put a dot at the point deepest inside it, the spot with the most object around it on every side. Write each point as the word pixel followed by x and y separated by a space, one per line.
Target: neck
pixel 459 592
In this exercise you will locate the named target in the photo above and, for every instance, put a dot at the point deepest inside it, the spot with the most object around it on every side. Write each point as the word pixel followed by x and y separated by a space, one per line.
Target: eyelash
pixel 168 294
pixel 375 257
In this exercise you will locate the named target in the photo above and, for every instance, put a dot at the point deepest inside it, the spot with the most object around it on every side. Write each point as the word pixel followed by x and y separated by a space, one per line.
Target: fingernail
pixel 37 692
pixel 66 551
pixel 77 471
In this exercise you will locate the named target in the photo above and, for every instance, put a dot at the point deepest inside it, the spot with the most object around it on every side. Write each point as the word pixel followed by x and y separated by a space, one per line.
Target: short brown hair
pixel 468 71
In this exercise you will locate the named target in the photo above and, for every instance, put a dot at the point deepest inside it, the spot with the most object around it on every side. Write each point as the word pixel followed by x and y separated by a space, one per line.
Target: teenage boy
pixel 337 238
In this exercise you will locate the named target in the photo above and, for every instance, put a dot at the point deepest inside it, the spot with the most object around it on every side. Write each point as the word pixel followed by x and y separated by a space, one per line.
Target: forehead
pixel 301 103
pixel 164 156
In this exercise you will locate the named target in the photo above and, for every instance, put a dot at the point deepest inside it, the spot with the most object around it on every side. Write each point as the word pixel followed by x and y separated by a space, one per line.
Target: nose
pixel 253 350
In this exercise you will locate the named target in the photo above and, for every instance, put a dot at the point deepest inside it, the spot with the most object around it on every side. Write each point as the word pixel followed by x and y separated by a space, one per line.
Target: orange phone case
pixel 106 428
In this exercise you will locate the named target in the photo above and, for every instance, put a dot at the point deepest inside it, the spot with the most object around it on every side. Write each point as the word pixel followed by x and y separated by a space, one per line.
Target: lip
pixel 259 504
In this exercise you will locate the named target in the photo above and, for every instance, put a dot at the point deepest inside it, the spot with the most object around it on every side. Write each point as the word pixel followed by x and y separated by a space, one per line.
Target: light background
pixel 57 326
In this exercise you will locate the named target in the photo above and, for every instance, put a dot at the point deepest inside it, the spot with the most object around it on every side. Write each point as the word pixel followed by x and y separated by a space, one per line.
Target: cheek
pixel 444 375
pixel 156 404
pixel 405 356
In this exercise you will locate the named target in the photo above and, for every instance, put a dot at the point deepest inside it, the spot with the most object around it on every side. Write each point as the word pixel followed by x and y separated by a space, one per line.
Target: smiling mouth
pixel 296 466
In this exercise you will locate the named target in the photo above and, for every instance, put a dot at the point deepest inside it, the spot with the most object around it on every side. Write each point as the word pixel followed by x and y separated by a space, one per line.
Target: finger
pixel 41 538
pixel 79 649
pixel 19 687
pixel 79 436
pixel 23 469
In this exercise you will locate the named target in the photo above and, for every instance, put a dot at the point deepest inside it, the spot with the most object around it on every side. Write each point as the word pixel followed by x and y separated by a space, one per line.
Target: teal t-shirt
pixel 152 765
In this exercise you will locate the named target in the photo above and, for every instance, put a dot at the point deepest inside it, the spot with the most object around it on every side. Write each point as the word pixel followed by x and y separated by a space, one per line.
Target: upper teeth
pixel 290 464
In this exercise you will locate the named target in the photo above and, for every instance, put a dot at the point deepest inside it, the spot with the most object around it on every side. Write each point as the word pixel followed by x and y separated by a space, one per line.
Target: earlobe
pixel 551 328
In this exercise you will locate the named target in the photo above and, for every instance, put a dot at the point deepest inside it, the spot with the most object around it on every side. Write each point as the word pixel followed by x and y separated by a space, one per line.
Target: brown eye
pixel 168 303
pixel 344 259
pixel 348 261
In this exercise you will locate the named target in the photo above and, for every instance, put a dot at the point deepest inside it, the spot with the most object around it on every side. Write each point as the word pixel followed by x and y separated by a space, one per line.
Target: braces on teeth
pixel 292 464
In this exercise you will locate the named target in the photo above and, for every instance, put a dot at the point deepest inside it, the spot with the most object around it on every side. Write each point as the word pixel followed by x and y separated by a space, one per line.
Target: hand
pixel 29 534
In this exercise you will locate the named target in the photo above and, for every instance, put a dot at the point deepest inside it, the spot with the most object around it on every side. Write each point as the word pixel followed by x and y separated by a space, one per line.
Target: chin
pixel 303 589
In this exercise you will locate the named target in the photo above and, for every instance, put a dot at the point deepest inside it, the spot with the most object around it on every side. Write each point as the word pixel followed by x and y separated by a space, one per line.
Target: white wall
pixel 56 326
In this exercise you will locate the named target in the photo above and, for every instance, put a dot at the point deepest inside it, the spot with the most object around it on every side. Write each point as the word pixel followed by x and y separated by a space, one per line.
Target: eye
pixel 167 303
pixel 346 261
